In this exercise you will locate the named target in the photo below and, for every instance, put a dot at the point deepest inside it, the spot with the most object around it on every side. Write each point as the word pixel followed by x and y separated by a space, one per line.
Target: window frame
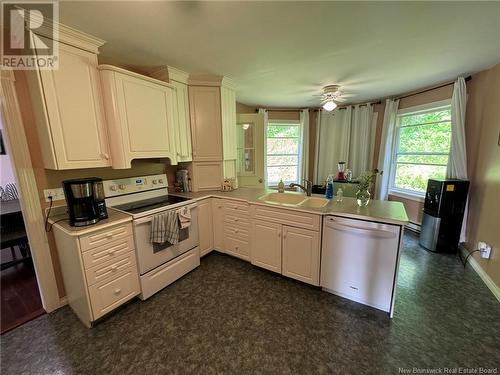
pixel 415 110
pixel 274 184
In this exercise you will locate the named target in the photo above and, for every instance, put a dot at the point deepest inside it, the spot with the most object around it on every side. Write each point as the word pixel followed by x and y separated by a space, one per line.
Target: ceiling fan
pixel 331 94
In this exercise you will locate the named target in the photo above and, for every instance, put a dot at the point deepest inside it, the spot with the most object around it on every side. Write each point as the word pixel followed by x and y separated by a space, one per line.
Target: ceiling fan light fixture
pixel 329 105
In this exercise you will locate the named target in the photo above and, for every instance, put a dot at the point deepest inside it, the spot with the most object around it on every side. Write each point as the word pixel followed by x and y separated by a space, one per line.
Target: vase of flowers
pixel 365 181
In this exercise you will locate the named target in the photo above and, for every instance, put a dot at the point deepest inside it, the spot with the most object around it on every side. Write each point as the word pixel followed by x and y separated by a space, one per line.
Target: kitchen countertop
pixel 61 221
pixel 382 211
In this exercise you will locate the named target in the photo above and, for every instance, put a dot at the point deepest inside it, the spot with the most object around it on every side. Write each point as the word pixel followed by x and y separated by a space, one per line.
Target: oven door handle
pixel 147 219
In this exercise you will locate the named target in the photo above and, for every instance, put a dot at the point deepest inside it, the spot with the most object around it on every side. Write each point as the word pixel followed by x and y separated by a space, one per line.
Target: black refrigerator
pixel 444 207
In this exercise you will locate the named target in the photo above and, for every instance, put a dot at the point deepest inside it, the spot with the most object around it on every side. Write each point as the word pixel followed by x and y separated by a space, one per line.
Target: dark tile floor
pixel 230 317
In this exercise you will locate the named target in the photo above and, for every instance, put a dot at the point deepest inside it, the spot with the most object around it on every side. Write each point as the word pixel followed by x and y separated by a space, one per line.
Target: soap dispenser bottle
pixel 281 186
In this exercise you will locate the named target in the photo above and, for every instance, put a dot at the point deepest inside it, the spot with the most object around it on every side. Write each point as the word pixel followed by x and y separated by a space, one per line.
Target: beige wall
pixel 483 155
pixel 46 178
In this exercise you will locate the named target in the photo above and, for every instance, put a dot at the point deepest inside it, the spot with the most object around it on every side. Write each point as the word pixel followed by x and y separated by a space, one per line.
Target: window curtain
pixel 457 162
pixel 386 148
pixel 264 112
pixel 360 148
pixel 304 144
pixel 333 141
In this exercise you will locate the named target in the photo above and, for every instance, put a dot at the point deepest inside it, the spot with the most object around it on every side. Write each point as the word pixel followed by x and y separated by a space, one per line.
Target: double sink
pixel 292 199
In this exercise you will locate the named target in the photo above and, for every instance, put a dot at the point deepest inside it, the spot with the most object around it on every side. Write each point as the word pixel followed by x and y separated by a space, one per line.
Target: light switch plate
pixel 57 194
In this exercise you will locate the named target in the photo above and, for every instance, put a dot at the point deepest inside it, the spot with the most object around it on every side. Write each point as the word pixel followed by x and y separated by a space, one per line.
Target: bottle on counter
pixel 340 195
pixel 281 186
pixel 329 188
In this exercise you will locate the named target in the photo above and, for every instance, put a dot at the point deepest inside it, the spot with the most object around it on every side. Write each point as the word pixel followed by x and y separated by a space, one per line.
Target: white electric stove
pixel 142 198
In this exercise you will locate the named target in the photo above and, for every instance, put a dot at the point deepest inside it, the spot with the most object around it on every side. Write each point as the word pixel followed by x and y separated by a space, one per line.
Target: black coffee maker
pixel 85 200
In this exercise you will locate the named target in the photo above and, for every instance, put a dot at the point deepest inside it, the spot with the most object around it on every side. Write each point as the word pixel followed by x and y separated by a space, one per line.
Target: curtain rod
pixel 468 78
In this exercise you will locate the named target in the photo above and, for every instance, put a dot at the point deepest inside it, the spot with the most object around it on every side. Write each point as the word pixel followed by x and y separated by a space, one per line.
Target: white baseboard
pixel 483 275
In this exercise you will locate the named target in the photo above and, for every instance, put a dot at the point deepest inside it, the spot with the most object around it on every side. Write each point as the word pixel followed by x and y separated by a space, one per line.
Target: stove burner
pixel 150 204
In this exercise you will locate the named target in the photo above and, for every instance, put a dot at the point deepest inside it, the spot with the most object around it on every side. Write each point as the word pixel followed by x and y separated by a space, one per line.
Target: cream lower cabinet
pixel 301 254
pixel 99 269
pixel 205 226
pixel 218 223
pixel 140 113
pixel 69 111
pixel 266 245
pixel 287 242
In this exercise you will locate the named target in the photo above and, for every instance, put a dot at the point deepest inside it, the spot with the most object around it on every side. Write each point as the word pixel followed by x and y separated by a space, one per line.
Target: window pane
pixel 426 117
pixel 284 130
pixel 414 177
pixel 425 138
pixel 288 174
pixel 424 159
pixel 282 146
pixel 282 160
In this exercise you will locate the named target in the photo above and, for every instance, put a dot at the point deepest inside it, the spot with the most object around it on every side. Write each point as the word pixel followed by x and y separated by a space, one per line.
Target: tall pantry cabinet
pixel 212 106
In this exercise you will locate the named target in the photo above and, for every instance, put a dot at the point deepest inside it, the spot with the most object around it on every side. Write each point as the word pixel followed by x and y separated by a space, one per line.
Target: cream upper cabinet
pixel 228 107
pixel 205 224
pixel 205 110
pixel 182 123
pixel 140 114
pixel 69 111
pixel 266 245
pixel 301 254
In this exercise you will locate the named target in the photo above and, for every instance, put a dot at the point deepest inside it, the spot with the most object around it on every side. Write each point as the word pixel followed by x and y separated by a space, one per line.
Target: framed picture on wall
pixel 2 147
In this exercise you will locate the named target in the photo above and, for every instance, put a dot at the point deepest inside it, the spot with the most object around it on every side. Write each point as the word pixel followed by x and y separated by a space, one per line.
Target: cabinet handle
pixel 235 219
pixel 111 252
pixel 237 247
pixel 118 291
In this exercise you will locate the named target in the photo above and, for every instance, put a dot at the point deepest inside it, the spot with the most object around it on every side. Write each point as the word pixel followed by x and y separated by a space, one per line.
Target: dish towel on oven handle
pixel 185 217
pixel 165 228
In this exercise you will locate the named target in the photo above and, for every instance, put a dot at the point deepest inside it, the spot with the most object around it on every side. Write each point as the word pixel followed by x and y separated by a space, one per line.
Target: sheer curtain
pixel 457 162
pixel 361 148
pixel 386 148
pixel 333 141
pixel 266 120
pixel 304 144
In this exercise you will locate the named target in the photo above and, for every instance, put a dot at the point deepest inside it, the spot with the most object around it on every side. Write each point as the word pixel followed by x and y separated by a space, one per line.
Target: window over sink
pixel 282 152
pixel 422 147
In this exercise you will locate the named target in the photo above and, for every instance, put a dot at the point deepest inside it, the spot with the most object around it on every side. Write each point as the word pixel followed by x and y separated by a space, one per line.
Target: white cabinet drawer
pixel 107 252
pixel 237 247
pixel 287 217
pixel 110 268
pixel 237 232
pixel 109 294
pixel 102 237
pixel 230 219
pixel 234 208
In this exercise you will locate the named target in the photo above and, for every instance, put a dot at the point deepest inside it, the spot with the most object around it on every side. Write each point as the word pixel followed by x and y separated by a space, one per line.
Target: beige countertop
pixel 380 211
pixel 61 221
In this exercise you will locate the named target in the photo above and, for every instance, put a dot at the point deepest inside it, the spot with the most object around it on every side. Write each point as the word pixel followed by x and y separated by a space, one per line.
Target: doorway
pixel 19 291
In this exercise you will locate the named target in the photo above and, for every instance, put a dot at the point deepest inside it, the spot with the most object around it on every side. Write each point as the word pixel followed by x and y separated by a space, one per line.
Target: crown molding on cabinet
pixel 177 75
pixel 133 74
pixel 66 34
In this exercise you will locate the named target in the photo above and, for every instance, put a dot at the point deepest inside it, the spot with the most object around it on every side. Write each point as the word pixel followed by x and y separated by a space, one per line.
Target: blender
pixel 341 170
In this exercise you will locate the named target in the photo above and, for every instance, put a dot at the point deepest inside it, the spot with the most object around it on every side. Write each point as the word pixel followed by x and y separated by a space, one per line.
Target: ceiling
pixel 282 53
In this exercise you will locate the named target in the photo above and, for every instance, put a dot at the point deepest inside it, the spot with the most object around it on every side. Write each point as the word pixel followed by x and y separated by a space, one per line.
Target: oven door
pixel 149 256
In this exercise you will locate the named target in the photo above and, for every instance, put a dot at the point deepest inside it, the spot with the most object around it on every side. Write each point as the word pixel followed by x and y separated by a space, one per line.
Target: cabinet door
pixel 207 175
pixel 74 125
pixel 228 105
pixel 182 123
pixel 301 254
pixel 205 111
pixel 146 114
pixel 218 224
pixel 205 227
pixel 266 245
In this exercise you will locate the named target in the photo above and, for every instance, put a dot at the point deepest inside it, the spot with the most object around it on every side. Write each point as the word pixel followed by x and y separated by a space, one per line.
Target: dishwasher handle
pixel 353 229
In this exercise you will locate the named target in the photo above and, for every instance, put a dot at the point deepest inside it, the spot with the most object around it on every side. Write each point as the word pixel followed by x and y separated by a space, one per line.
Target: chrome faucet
pixel 307 189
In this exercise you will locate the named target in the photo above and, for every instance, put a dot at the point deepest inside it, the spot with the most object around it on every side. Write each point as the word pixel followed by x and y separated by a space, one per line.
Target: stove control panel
pixel 113 188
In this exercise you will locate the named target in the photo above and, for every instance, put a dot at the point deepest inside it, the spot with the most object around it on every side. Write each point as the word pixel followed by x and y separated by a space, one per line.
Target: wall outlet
pixel 484 249
pixel 57 194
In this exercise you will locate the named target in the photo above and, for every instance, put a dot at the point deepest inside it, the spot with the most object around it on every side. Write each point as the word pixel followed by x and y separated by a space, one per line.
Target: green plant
pixel 365 180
